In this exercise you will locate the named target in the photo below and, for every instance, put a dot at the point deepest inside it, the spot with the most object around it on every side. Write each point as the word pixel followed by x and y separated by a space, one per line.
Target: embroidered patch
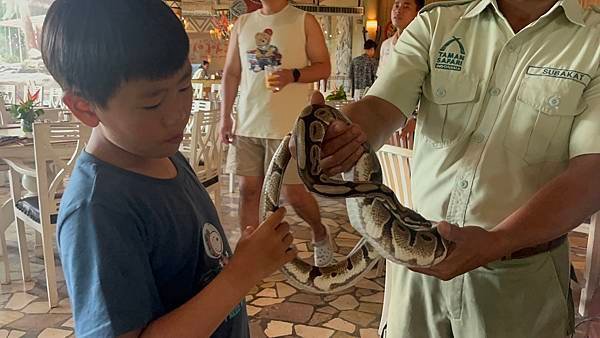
pixel 451 55
pixel 558 73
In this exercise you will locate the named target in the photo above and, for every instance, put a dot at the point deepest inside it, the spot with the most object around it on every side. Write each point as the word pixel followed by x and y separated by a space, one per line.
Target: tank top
pixel 277 40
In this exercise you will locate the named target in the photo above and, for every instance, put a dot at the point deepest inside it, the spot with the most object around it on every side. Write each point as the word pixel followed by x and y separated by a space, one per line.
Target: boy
pixel 140 242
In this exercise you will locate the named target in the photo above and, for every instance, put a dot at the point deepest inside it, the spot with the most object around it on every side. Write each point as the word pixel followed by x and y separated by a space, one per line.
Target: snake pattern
pixel 388 229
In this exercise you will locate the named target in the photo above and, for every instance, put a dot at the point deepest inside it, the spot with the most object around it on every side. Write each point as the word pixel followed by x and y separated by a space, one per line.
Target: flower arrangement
pixel 26 112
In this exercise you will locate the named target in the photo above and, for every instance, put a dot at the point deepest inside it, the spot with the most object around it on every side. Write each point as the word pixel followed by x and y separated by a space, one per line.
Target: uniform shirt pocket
pixel 447 107
pixel 541 121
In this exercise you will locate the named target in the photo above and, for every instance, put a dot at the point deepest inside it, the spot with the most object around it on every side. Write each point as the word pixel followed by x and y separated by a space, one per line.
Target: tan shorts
pixel 250 156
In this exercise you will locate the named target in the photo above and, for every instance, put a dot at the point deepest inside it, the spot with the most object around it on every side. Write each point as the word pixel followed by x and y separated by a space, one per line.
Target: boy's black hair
pixel 93 46
pixel 370 44
pixel 420 4
pixel 205 62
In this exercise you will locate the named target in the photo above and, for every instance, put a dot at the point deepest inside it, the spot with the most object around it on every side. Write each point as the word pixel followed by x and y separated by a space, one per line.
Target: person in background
pixel 403 13
pixel 141 245
pixel 363 68
pixel 506 161
pixel 202 71
pixel 274 71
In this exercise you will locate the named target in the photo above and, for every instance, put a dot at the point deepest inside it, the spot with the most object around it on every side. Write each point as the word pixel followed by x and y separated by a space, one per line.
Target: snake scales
pixel 389 229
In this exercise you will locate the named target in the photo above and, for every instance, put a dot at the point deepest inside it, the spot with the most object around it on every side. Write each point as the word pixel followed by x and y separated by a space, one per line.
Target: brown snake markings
pixel 389 229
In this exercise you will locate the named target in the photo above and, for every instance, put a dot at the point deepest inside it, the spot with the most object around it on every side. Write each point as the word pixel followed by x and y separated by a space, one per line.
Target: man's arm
pixel 317 53
pixel 232 73
pixel 558 207
pixel 316 50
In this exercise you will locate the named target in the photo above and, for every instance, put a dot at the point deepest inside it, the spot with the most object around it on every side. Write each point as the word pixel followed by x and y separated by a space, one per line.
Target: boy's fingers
pixel 282 229
pixel 288 240
pixel 274 219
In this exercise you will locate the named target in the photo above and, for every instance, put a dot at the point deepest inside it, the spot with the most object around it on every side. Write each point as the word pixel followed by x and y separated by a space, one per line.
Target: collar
pixel 571 8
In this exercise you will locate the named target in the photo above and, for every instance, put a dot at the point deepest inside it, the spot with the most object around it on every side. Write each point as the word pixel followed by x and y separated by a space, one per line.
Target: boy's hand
pixel 264 249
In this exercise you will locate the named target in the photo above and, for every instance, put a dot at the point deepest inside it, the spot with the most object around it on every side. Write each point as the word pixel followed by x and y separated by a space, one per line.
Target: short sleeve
pixel 107 271
pixel 406 67
pixel 585 135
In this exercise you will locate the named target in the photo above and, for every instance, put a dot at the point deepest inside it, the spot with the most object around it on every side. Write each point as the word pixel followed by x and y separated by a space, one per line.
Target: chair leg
pixel 23 252
pixel 592 267
pixel 380 268
pixel 217 192
pixel 4 251
pixel 231 182
pixel 50 267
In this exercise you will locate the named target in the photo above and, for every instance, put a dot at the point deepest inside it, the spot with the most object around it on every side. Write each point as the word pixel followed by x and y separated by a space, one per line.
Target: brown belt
pixel 538 249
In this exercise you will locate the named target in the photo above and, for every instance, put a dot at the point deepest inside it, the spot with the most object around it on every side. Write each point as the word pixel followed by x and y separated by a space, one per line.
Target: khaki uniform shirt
pixel 501 113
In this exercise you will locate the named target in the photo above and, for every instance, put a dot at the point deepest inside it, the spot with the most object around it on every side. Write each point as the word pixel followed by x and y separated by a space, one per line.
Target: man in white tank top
pixel 277 35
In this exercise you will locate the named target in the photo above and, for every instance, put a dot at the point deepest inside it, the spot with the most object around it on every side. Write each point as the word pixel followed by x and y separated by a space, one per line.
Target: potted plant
pixel 337 95
pixel 26 112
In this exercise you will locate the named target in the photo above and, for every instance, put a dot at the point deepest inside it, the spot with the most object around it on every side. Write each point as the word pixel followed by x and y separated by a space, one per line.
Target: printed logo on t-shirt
pixel 265 53
pixel 213 242
pixel 451 55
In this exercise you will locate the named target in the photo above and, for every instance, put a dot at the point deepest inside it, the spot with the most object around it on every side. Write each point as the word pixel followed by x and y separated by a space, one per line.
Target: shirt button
pixel 463 184
pixel 495 91
pixel 441 92
pixel 477 138
pixel 554 101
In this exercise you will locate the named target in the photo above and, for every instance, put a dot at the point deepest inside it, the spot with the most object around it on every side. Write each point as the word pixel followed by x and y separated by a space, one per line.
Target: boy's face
pixel 147 117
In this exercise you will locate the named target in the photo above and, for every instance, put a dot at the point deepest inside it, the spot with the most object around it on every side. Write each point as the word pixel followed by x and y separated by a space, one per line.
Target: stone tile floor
pixel 275 308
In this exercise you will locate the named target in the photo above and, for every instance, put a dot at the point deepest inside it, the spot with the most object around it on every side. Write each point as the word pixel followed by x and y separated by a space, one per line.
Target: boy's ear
pixel 81 108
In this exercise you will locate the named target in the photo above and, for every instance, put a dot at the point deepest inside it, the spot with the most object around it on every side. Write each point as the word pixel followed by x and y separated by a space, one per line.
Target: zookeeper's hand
pixel 281 79
pixel 471 248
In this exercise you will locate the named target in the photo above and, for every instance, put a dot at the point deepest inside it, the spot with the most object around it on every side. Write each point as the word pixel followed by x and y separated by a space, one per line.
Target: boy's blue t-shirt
pixel 134 248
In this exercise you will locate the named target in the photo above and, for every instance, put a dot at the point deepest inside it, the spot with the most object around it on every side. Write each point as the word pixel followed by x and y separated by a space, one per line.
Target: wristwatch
pixel 296 74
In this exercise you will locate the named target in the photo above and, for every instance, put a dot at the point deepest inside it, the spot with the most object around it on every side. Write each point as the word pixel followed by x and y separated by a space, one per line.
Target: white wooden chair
pixel 6 218
pixel 202 148
pixel 395 166
pixel 198 89
pixel 591 277
pixel 53 98
pixel 9 93
pixel 5 118
pixel 56 148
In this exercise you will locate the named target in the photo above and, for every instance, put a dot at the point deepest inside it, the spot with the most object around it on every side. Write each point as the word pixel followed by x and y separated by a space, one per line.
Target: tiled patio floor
pixel 276 308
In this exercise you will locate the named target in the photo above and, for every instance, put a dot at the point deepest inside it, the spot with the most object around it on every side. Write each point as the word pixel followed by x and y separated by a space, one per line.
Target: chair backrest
pixel 56 148
pixel 5 117
pixel 9 93
pixel 205 148
pixel 53 97
pixel 395 165
pixel 198 90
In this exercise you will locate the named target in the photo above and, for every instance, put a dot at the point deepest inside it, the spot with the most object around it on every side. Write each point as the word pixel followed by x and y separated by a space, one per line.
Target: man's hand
pixel 471 248
pixel 226 130
pixel 281 79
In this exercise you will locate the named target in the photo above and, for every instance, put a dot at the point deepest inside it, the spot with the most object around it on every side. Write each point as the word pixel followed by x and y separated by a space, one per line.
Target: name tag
pixel 567 74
